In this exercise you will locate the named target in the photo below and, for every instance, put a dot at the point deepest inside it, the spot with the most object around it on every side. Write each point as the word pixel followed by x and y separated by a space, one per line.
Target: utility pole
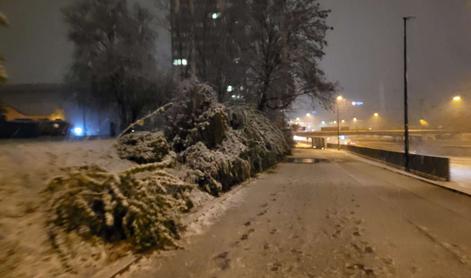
pixel 406 103
pixel 338 126
pixel 339 99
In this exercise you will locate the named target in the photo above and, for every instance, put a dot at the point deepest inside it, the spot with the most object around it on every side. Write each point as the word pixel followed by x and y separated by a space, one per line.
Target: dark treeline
pixel 262 53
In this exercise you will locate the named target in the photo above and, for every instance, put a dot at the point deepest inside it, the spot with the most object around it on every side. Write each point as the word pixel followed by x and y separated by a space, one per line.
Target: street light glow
pixel 339 98
pixel 424 123
pixel 457 98
pixel 308 115
pixel 355 120
pixel 376 115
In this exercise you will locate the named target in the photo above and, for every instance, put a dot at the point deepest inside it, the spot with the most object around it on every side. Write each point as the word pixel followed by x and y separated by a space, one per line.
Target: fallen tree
pixel 199 144
pixel 140 205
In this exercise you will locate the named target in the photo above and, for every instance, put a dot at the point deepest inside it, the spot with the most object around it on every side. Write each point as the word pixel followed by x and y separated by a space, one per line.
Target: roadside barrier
pixel 432 167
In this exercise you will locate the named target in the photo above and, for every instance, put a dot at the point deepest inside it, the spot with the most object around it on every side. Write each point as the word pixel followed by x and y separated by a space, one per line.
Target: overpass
pixel 386 132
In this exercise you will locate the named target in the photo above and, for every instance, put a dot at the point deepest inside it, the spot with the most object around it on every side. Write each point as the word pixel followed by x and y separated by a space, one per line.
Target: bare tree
pixel 3 72
pixel 266 52
pixel 114 60
pixel 205 34
pixel 286 43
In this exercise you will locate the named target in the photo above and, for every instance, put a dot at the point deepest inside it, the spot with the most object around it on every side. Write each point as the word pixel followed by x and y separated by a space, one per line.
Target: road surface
pixel 325 214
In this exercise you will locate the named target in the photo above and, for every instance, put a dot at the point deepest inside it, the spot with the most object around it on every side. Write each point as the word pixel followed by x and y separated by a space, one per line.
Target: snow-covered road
pixel 328 216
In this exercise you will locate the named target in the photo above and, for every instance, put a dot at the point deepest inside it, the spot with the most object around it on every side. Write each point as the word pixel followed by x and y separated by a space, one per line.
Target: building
pixel 11 113
pixel 192 26
pixel 205 39
pixel 51 102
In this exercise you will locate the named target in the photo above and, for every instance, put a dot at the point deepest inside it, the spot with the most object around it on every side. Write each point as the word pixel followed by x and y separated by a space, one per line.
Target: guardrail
pixel 432 167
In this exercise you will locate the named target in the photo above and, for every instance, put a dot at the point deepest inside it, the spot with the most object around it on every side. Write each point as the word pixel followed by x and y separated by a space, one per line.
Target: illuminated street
pixel 327 216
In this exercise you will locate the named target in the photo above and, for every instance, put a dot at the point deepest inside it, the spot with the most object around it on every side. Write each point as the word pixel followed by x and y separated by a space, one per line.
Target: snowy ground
pixel 325 214
pixel 25 168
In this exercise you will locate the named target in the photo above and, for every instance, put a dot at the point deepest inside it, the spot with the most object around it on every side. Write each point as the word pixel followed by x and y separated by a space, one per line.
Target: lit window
pixel 358 103
pixel 215 15
pixel 180 62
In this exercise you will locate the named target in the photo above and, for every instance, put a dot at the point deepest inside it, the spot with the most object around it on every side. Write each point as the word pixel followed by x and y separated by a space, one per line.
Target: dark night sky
pixel 364 53
pixel 36 47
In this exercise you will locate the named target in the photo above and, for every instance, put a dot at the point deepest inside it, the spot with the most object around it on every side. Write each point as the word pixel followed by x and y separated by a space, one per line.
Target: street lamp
pixel 376 115
pixel 406 103
pixel 457 99
pixel 339 100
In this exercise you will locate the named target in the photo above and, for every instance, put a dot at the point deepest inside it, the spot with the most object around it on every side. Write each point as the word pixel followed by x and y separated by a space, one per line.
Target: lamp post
pixel 406 104
pixel 339 99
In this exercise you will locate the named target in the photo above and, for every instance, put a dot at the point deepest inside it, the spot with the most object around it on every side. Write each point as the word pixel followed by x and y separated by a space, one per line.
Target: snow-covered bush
pixel 266 144
pixel 224 146
pixel 196 116
pixel 143 147
pixel 251 146
pixel 221 170
pixel 140 205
